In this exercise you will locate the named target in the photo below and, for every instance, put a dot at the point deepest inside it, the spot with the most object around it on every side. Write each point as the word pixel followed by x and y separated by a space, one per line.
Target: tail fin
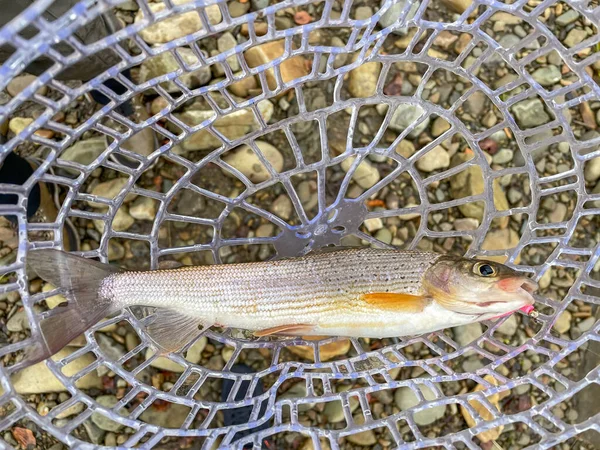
pixel 81 279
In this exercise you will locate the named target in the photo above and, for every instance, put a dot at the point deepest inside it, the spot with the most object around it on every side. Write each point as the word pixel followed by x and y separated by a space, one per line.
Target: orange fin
pixel 397 302
pixel 294 329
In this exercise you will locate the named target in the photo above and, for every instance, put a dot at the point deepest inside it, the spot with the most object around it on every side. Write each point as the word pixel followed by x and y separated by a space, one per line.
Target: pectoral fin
pixel 171 330
pixel 293 329
pixel 396 302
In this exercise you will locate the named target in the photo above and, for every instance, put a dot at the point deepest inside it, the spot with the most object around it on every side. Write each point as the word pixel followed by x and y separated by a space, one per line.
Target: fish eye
pixel 485 270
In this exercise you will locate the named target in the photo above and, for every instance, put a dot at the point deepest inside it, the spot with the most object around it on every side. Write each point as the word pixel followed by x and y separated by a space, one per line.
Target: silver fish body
pixel 359 292
pixel 322 290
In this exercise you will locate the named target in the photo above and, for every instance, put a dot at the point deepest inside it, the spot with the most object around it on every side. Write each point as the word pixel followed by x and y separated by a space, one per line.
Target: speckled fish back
pixel 309 289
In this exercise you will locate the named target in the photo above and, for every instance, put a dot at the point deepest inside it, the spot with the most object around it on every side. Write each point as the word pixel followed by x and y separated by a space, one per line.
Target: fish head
pixel 479 287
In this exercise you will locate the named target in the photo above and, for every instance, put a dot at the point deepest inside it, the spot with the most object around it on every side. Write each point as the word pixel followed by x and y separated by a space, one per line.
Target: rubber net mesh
pixel 266 130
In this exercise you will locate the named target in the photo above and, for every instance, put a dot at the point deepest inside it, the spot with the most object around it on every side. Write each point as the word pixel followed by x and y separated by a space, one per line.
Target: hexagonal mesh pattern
pixel 338 94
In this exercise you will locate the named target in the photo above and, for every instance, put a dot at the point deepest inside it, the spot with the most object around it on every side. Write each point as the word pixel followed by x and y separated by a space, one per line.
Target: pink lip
pixel 527 309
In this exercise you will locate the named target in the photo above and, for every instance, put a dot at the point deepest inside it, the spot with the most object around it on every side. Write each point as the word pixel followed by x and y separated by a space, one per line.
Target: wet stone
pixel 405 115
pixel 530 113
pixel 405 399
pixel 547 76
pixel 395 14
pixel 465 334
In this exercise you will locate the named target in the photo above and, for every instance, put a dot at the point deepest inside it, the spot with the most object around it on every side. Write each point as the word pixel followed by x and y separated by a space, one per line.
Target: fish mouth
pixel 529 286
pixel 526 291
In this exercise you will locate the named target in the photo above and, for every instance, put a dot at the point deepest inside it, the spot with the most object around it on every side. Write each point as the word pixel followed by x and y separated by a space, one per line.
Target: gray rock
pixel 237 9
pixel 71 411
pixel 439 126
pixel 567 18
pixel 227 42
pixel 334 411
pixel 102 421
pixel 563 322
pixel 465 334
pixel 95 434
pixel 85 151
pixel 298 390
pixel 384 396
pixel 38 379
pixel 530 113
pixel 363 80
pixel 246 161
pixel 109 190
pixel 572 415
pixel 110 440
pixel 166 63
pixel 586 324
pixel 509 326
pixel 591 171
pixel 282 207
pixel 539 152
pixel 132 340
pixel 190 203
pixel 384 235
pixel 405 399
pixel 308 194
pixel 363 12
pixel 503 156
pixel 233 126
pixel 596 190
pixel 259 4
pixel 19 83
pixel 405 148
pixel 547 76
pixel 111 349
pixel 554 58
pixel 172 416
pixel 194 354
pixel 466 224
pixel 18 322
pixel 265 230
pixel 176 26
pixel 121 222
pixel 514 196
pixel 143 208
pixel 574 37
pixel 129 5
pixel 476 103
pixel 506 42
pixel 435 159
pixel 499 137
pixel 472 364
pixel 366 438
pixel 365 175
pixel 405 115
pixel 373 224
pixel 394 15
pixel 558 213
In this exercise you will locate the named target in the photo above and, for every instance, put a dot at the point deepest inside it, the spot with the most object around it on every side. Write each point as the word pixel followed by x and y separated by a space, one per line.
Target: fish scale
pixel 353 292
pixel 311 289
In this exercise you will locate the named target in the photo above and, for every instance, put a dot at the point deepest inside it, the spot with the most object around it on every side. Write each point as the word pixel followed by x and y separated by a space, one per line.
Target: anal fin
pixel 396 302
pixel 294 329
pixel 171 330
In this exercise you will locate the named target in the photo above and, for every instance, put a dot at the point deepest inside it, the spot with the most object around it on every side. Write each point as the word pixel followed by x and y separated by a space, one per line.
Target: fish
pixel 350 292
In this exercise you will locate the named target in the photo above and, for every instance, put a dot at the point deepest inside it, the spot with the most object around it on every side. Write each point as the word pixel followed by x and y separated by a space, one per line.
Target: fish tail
pixel 81 279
